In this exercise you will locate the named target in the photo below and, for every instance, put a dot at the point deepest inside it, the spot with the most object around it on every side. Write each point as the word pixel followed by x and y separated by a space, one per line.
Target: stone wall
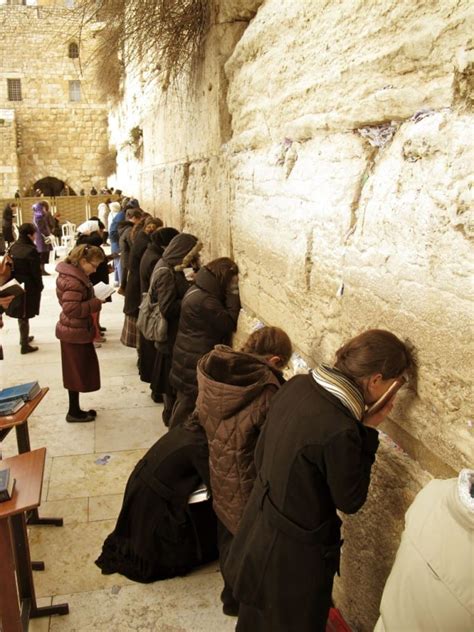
pixel 9 162
pixel 56 137
pixel 329 149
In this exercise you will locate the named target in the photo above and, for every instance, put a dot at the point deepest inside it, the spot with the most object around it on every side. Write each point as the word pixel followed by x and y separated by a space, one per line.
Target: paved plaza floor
pixel 86 489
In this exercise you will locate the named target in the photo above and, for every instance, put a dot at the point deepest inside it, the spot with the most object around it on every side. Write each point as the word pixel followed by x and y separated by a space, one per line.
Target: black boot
pixel 25 338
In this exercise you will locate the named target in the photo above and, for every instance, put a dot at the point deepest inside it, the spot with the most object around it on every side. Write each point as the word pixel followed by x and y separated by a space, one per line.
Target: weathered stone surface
pixel 345 206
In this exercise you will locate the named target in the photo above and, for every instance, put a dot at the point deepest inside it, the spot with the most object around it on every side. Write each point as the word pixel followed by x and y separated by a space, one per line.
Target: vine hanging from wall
pixel 166 36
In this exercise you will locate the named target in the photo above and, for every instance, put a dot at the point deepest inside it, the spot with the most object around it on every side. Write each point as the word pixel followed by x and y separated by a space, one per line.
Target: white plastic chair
pixel 68 233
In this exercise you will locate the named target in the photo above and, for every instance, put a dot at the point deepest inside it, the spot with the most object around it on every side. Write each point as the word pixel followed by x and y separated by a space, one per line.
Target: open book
pixel 12 288
pixel 103 291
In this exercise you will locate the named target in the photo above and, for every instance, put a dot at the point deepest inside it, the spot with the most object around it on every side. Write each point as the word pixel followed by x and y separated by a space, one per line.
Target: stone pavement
pixel 88 494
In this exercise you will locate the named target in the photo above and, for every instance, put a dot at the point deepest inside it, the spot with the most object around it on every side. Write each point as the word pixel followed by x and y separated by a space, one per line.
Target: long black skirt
pixel 146 358
pixel 153 540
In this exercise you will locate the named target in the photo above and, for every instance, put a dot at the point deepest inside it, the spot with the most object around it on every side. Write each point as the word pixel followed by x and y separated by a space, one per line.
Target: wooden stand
pixel 27 469
pixel 19 421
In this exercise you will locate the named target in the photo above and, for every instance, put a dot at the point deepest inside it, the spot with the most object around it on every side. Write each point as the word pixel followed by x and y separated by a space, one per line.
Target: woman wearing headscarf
pixel 159 240
pixel 313 458
pixel 140 236
pixel 43 220
pixel 168 285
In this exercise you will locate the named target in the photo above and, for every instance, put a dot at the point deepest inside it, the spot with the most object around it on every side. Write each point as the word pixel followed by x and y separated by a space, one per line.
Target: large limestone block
pixel 371 537
pixel 306 65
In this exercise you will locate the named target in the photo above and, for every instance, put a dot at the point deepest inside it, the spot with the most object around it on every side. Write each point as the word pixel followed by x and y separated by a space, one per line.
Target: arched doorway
pixel 50 186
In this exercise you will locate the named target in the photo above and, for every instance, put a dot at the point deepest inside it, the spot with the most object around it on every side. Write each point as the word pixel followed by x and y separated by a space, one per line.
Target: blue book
pixel 21 391
pixel 11 406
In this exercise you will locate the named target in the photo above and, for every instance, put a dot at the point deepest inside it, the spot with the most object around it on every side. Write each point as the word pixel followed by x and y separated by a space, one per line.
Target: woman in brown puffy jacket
pixel 235 391
pixel 75 328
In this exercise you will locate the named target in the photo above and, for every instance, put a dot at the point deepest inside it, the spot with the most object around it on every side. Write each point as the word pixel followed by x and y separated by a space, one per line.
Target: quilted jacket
pixel 235 390
pixel 76 297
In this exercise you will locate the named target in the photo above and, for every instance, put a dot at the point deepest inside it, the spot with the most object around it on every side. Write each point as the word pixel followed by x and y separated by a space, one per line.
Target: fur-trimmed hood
pixel 181 251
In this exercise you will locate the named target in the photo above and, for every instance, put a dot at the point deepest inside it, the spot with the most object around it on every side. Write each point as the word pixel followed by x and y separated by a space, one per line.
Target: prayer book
pixel 11 406
pixel 7 483
pixel 103 291
pixel 12 288
pixel 21 391
pixel 199 495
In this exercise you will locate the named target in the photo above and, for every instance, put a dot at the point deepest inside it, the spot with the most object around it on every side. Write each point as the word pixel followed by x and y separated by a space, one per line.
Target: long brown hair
pixel 269 341
pixel 373 351
pixel 223 269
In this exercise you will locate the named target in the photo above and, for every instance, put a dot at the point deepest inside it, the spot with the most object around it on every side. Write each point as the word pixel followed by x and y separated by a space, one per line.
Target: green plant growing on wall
pixel 135 141
pixel 108 162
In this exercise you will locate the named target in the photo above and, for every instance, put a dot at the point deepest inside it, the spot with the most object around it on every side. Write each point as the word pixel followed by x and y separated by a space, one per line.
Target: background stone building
pixel 327 147
pixel 53 114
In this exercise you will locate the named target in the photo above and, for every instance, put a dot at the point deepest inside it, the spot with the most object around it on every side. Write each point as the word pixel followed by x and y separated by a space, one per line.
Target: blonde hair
pixel 89 253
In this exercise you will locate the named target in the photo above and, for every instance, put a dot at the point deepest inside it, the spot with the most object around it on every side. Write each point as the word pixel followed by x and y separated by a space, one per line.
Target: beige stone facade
pixel 329 150
pixel 54 135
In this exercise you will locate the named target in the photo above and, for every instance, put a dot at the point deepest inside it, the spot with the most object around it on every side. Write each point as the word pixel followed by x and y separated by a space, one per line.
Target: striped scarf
pixel 341 387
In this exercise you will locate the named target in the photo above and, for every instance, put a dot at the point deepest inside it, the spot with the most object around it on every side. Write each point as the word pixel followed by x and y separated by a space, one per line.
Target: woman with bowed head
pixel 209 314
pixel 168 285
pixel 75 328
pixel 158 534
pixel 140 236
pixel 92 232
pixel 313 457
pixel 235 392
pixel 44 222
pixel 159 240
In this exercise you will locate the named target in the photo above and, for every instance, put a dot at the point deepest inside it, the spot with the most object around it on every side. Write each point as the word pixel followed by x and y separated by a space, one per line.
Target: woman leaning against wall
pixel 314 457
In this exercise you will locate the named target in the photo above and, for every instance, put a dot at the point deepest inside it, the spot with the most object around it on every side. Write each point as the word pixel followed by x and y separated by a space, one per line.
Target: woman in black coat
pixel 27 270
pixel 209 314
pixel 158 534
pixel 168 285
pixel 314 457
pixel 140 236
pixel 7 222
pixel 159 240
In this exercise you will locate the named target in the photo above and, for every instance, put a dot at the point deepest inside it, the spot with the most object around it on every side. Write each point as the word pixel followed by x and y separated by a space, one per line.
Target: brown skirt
pixel 129 332
pixel 80 367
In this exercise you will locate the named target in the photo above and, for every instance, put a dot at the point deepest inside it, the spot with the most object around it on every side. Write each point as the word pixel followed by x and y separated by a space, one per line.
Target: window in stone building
pixel 73 50
pixel 14 89
pixel 74 90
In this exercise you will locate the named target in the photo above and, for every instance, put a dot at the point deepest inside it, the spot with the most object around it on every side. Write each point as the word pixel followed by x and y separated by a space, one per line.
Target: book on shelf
pixel 20 391
pixel 11 406
pixel 199 495
pixel 7 483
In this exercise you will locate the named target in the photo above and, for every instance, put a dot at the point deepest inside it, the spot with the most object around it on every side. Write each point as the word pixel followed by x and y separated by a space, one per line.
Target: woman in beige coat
pixel 431 586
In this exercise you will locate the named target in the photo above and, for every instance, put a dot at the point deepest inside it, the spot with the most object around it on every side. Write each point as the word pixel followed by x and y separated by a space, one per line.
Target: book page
pixel 102 290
